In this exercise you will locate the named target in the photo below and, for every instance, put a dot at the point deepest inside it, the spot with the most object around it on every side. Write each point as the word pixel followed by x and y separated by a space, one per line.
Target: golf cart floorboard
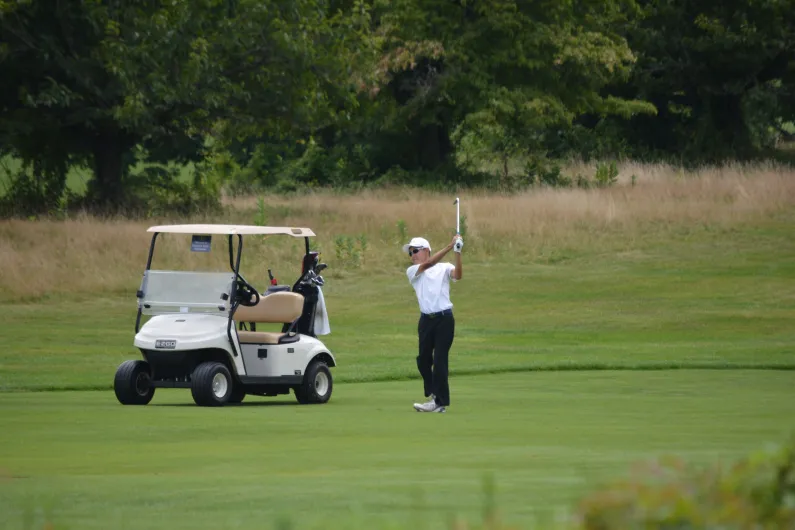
pixel 271 380
pixel 286 380
pixel 170 384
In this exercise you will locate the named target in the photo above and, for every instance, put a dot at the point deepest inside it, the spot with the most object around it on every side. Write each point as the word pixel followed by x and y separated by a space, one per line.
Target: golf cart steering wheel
pixel 245 293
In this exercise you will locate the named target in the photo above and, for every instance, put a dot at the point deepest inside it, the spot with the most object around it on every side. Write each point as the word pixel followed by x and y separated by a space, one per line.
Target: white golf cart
pixel 203 334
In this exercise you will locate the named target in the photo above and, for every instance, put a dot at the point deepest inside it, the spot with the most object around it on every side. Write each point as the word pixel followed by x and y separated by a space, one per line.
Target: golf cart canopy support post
pixel 236 268
pixel 148 267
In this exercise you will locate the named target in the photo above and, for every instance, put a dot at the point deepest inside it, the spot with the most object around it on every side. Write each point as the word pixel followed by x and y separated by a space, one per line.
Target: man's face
pixel 418 255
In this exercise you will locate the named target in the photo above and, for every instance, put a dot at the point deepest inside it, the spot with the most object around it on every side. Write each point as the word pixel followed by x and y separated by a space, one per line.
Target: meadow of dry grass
pixel 101 255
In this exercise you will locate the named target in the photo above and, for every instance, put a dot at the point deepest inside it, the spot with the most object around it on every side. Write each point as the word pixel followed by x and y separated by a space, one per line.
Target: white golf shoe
pixel 429 406
pixel 431 399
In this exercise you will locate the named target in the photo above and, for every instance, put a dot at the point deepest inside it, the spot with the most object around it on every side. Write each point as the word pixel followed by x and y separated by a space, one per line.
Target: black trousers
pixel 436 337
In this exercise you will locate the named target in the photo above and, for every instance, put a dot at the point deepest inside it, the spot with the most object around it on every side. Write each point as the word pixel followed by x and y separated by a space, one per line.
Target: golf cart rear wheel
pixel 211 384
pixel 317 384
pixel 133 383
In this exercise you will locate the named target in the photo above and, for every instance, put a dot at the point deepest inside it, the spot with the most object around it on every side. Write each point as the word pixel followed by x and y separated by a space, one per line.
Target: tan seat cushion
pixel 282 307
pixel 259 337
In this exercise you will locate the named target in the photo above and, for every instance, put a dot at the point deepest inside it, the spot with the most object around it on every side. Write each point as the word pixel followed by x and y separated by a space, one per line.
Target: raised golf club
pixel 458 222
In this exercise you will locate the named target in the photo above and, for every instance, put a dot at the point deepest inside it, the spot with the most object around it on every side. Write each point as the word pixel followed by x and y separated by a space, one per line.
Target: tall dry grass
pixel 92 255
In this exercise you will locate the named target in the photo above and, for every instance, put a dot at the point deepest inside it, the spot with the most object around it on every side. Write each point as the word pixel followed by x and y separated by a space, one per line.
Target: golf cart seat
pixel 276 308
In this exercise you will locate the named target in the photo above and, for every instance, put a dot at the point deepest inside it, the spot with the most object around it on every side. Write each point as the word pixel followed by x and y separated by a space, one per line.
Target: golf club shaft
pixel 457 216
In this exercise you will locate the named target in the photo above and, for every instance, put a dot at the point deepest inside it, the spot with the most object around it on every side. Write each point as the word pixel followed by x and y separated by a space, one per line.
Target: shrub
pixel 756 492
pixel 30 193
pixel 402 232
pixel 160 191
pixel 348 253
pixel 606 175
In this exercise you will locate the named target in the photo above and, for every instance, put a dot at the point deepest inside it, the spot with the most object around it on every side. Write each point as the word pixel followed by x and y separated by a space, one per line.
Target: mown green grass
pixel 564 372
pixel 366 460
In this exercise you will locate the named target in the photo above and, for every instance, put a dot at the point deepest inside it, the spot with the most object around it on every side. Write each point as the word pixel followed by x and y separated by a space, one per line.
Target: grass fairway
pixel 80 460
pixel 580 349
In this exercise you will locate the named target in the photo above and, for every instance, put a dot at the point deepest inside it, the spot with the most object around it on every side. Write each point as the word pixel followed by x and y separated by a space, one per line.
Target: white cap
pixel 417 242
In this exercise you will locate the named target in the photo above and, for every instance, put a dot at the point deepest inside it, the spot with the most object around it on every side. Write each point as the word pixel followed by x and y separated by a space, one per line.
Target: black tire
pixel 238 393
pixel 211 384
pixel 133 383
pixel 317 384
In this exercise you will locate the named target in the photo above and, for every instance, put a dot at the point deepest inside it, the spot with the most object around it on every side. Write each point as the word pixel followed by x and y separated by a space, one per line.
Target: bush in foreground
pixel 756 492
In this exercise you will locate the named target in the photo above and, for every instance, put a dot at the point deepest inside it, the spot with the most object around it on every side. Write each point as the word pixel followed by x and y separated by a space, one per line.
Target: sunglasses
pixel 414 251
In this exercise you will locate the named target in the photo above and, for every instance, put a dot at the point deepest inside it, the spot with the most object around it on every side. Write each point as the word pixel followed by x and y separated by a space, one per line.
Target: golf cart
pixel 202 331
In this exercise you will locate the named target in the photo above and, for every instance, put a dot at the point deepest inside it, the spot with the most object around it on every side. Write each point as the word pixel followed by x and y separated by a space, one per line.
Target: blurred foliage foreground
pixel 757 492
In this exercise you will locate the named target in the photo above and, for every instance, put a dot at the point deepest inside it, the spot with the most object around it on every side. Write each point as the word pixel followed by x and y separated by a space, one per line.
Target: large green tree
pixel 493 79
pixel 92 81
pixel 720 74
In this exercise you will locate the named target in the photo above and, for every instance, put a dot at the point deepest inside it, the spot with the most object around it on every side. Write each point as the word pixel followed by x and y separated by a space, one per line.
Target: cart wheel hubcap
pixel 220 385
pixel 142 384
pixel 321 384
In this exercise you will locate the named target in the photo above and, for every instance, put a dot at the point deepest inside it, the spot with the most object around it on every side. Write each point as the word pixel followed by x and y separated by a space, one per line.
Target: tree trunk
pixel 110 146
pixel 435 146
pixel 730 137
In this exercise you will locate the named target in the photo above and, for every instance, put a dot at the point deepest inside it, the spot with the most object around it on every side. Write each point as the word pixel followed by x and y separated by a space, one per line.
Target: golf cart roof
pixel 208 229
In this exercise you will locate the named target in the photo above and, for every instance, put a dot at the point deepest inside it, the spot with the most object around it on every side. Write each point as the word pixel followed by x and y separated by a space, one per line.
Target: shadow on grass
pixel 235 405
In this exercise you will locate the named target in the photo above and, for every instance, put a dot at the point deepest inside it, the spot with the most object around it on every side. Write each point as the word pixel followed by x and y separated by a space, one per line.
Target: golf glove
pixel 459 244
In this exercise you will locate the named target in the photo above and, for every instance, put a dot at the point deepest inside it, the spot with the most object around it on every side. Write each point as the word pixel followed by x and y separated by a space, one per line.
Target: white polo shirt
pixel 432 286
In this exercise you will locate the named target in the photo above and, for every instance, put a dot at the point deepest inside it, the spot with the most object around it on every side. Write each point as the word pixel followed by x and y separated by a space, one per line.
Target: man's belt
pixel 438 314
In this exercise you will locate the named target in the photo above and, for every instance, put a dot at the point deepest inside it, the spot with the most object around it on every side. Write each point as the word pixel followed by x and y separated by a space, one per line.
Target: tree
pixel 87 81
pixel 713 70
pixel 499 75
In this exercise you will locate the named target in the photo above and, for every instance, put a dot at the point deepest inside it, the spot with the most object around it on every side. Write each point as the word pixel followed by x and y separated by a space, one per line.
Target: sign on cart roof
pixel 232 230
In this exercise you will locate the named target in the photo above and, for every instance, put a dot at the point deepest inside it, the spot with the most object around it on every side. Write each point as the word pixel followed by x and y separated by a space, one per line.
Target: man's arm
pixel 435 259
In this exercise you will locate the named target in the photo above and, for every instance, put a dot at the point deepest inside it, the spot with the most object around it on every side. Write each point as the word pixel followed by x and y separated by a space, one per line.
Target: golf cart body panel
pixel 175 333
pixel 200 332
pixel 270 360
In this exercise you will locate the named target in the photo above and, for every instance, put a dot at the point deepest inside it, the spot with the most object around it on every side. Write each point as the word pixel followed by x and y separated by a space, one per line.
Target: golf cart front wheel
pixel 211 384
pixel 133 383
pixel 317 384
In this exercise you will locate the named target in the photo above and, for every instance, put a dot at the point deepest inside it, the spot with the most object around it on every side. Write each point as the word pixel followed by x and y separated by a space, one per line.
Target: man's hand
pixel 458 243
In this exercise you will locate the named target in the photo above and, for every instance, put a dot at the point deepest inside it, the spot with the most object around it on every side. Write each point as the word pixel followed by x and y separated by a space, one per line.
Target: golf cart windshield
pixel 171 291
pixel 185 292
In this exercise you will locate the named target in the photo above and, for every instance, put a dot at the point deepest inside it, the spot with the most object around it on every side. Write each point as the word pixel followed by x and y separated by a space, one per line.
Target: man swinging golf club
pixel 436 327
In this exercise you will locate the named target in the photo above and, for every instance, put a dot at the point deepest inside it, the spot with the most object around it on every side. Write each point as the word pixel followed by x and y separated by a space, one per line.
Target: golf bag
pixel 307 286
